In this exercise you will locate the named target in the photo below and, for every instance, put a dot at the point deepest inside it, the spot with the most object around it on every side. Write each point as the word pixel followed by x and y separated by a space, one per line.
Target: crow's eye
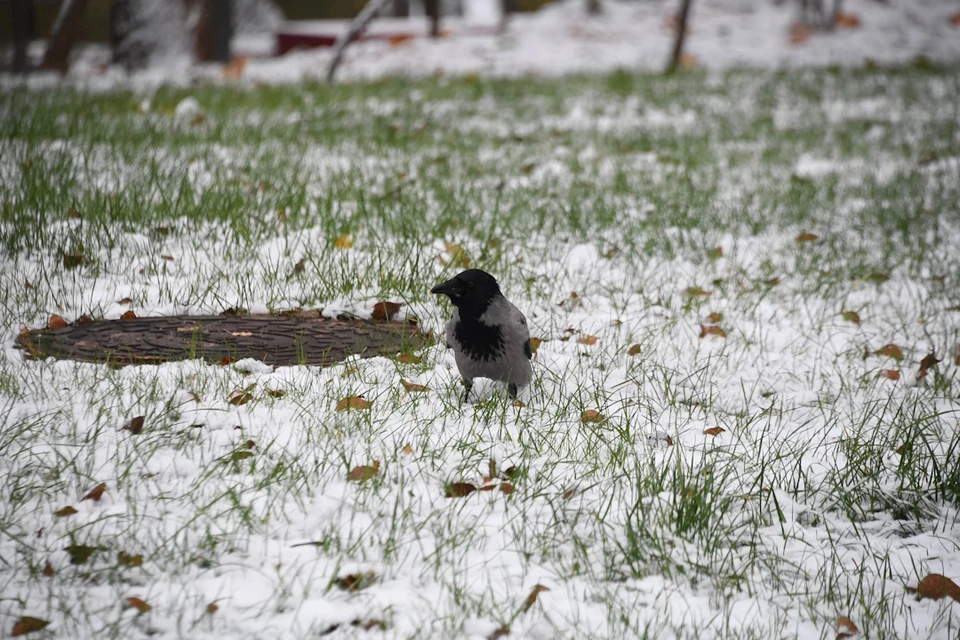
pixel 469 285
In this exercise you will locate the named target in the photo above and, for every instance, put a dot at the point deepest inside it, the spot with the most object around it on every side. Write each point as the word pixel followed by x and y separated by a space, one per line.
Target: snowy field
pixel 720 441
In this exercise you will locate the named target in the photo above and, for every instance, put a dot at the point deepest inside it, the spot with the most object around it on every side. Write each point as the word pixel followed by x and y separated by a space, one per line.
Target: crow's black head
pixel 471 291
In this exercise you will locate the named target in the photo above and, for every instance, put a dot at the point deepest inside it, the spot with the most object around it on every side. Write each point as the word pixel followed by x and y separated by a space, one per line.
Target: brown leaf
pixel 385 310
pixel 955 19
pixel 56 322
pixel 343 242
pixel 845 626
pixel 587 339
pixel 128 315
pixel 499 632
pixel 519 403
pixel 851 316
pixel 846 20
pixel 72 260
pixel 409 358
pixel 459 489
pixel 363 472
pixel 28 624
pixel 239 398
pixel 299 267
pixel 535 344
pixel 956 355
pixel 352 402
pixel 48 570
pixel 929 361
pixel 407 450
pixel 212 608
pixel 276 393
pixel 356 581
pixel 697 292
pixel 234 69
pixel 532 598
pixel 716 252
pixel 592 416
pixel 799 33
pixel 569 493
pixel 714 431
pixel 890 350
pixel 413 387
pixel 714 318
pixel 73 213
pixel 66 511
pixel 936 587
pixel 712 330
pixel 890 374
pixel 510 473
pixel 904 449
pixel 135 426
pixel 129 560
pixel 241 455
pixel 633 350
pixel 458 256
pixel 80 553
pixel 227 360
pixel 807 237
pixel 138 604
pixel 506 488
pixel 84 319
pixel 96 493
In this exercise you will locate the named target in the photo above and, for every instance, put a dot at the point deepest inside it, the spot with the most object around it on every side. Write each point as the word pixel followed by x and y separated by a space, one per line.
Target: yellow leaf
pixel 344 241
pixel 592 416
pixel 807 237
pixel 587 339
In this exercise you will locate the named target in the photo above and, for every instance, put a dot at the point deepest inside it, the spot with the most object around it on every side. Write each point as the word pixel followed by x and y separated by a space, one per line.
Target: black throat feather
pixel 479 341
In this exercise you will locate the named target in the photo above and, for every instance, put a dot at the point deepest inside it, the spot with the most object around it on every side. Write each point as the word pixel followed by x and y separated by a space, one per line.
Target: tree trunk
pixel 594 8
pixel 433 12
pixel 681 35
pixel 401 8
pixel 64 34
pixel 368 13
pixel 213 31
pixel 20 23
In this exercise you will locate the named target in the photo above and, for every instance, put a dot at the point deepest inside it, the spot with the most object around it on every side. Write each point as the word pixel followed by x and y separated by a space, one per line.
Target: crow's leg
pixel 467 385
pixel 512 390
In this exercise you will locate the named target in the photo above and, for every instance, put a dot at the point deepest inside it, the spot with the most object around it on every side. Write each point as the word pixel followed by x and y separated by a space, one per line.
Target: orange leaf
pixel 535 344
pixel 851 316
pixel 519 403
pixel 363 473
pixel 135 426
pixel 28 624
pixel 227 360
pixel 890 374
pixel 459 489
pixel 124 301
pixel 714 318
pixel 592 416
pixel 506 488
pixel 385 310
pixel 352 402
pixel 714 431
pixel 532 598
pixel 633 350
pixel 890 350
pixel 807 237
pixel 846 626
pixel 935 587
pixel 138 604
pixel 397 40
pixel 56 322
pixel 846 21
pixel 712 330
pixel 96 493
pixel 407 450
pixel 343 242
pixel 955 19
pixel 587 339
pixel 234 69
pixel 66 511
pixel 412 387
pixel 409 358
pixel 128 315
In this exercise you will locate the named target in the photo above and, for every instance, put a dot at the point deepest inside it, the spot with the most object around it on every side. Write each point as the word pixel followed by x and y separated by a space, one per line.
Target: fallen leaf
pixel 846 20
pixel 929 361
pixel 532 598
pixel 385 310
pixel 510 473
pixel 96 493
pixel 128 315
pixel 212 608
pixel 569 493
pixel 697 292
pixel 239 398
pixel 80 553
pixel 298 267
pixel 714 318
pixel 28 624
pixel 363 473
pixel 352 402
pixel 904 449
pixel 48 570
pixel 135 426
pixel 398 39
pixel 935 587
pixel 633 350
pixel 506 488
pixel 955 19
pixel 714 431
pixel 241 455
pixel 807 237
pixel 413 387
pixel 846 627
pixel 499 632
pixel 877 276
pixel 275 393
pixel 407 450
pixel 956 355
pixel 592 416
pixel 799 33
pixel 356 581
pixel 458 256
pixel 688 61
pixel 716 252
pixel 84 319
pixel 535 344
pixel 409 358
pixel 772 282
pixel 72 260
pixel 73 213
pixel 56 322
pixel 712 330
pixel 587 339
pixel 890 374
pixel 343 242
pixel 519 403
pixel 890 350
pixel 459 489
pixel 851 316
pixel 138 604
pixel 234 69
pixel 66 511
pixel 129 560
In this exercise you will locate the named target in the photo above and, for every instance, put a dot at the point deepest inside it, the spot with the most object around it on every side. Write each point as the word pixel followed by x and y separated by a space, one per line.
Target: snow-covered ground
pixel 561 39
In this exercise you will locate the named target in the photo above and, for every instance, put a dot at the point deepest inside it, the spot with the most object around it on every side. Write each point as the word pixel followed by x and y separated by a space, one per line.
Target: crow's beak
pixel 450 288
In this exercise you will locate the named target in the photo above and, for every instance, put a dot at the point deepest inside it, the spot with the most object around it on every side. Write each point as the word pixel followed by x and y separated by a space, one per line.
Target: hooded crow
pixel 488 335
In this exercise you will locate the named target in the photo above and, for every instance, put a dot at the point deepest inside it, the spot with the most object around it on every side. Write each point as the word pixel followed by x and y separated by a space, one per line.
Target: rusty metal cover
pixel 288 339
